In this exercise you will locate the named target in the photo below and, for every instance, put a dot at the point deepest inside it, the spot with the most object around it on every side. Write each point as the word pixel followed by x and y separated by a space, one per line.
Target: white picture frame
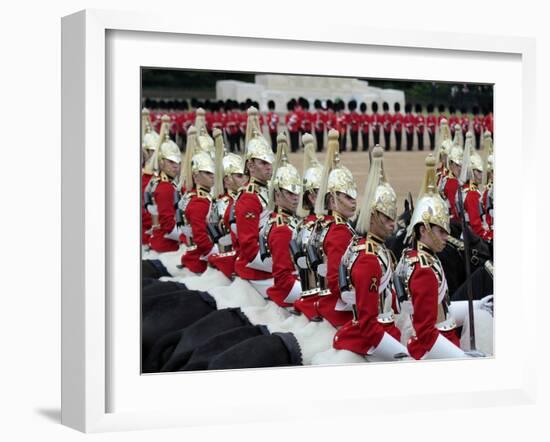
pixel 93 242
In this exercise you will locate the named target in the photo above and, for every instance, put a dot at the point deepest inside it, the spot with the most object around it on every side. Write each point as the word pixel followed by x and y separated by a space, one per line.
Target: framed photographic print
pixel 108 58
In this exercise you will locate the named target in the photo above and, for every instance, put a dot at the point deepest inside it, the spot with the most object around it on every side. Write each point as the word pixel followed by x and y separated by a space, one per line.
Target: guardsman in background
pixel 376 120
pixel 306 119
pixel 471 177
pixel 387 125
pixel 477 125
pixel 431 123
pixel 336 203
pixel 366 274
pixel 488 121
pixel 312 171
pixel 320 124
pixel 228 180
pixel 292 122
pixel 354 123
pixel 242 122
pixel 464 122
pixel 453 120
pixel 441 114
pixel 420 125
pixel 272 119
pixel 449 184
pixel 342 123
pixel 397 125
pixel 365 126
pixel 285 191
pixel 149 144
pixel 232 128
pixel 162 192
pixel 251 210
pixel 409 121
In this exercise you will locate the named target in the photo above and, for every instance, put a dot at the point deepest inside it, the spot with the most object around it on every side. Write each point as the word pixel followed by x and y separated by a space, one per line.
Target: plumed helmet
pixel 202 162
pixel 445 143
pixel 379 195
pixel 149 138
pixel 456 154
pixel 258 147
pixel 430 207
pixel 285 176
pixel 335 177
pixel 312 167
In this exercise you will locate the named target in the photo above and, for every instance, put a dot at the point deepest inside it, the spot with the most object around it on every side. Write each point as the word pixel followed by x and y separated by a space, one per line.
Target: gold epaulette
pixel 472 186
pixel 279 221
pixel 203 194
pixel 164 178
pixel 425 260
pixel 251 188
pixel 339 220
pixel 370 247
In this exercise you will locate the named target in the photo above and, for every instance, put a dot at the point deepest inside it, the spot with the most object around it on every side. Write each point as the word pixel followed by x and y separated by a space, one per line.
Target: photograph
pixel 297 220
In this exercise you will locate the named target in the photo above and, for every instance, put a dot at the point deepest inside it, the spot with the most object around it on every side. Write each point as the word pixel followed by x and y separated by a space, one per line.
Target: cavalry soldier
pixel 149 144
pixel 161 195
pixel 251 213
pixel 312 173
pixel 336 203
pixel 443 147
pixel 420 126
pixel 366 274
pixel 397 125
pixel 435 319
pixel 194 207
pixel 285 191
pixel 448 185
pixel 228 180
pixel 487 180
pixel 471 177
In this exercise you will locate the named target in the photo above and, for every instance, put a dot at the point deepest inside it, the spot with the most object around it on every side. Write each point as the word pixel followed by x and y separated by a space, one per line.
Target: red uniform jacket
pixel 488 122
pixel 486 210
pixel 367 332
pixel 420 124
pixel 146 221
pixel 465 124
pixel 249 206
pixel 354 121
pixel 196 216
pixel 366 121
pixel 387 119
pixel 164 200
pixel 377 121
pixel 398 121
pixel 232 123
pixel 450 187
pixel 473 211
pixel 225 262
pixel 409 120
pixel 306 124
pixel 292 121
pixel 431 122
pixel 335 244
pixel 424 290
pixel 284 272
pixel 272 119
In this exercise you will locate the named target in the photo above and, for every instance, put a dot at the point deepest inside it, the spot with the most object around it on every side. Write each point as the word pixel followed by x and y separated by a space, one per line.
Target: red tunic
pixel 366 121
pixel 196 215
pixel 488 213
pixel 146 221
pixel 488 122
pixel 248 211
pixel 284 272
pixel 164 200
pixel 397 121
pixel 272 119
pixel 292 121
pixel 431 122
pixel 449 190
pixel 409 120
pixel 424 287
pixel 354 121
pixel 366 333
pixel 420 124
pixel 472 208
pixel 335 244
pixel 387 121
pixel 225 262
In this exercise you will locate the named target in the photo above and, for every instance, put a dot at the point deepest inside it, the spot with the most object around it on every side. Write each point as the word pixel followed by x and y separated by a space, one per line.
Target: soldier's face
pixel 238 180
pixel 478 176
pixel 345 204
pixel 287 200
pixel 381 225
pixel 455 169
pixel 436 240
pixel 204 179
pixel 169 167
pixel 260 169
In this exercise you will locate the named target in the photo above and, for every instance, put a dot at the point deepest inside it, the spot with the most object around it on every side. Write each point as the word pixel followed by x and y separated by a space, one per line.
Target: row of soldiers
pixel 358 127
pixel 293 239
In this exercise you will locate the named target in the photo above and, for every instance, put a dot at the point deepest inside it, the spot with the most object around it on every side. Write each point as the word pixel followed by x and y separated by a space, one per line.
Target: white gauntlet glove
pixel 153 209
pixel 486 304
